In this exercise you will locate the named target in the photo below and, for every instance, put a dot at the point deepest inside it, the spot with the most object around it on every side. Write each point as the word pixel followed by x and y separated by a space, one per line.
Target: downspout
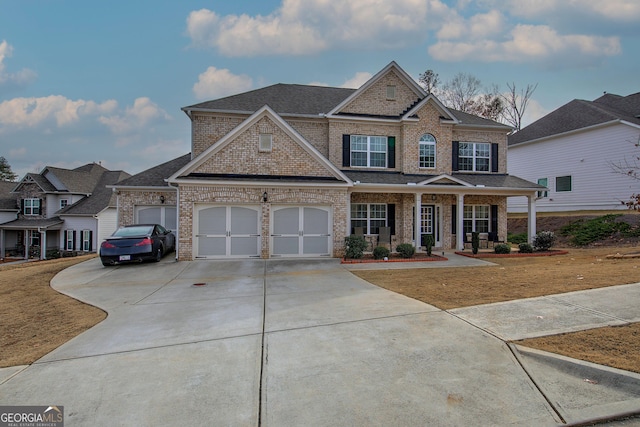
pixel 177 220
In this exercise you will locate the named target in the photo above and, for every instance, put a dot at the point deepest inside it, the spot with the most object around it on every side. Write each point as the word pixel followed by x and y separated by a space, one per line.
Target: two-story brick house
pixel 291 170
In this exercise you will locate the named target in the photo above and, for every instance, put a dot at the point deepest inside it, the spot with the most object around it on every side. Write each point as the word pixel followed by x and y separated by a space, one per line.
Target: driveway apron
pixel 286 343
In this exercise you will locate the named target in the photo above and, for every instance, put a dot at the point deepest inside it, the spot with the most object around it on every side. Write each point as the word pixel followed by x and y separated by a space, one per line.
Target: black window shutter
pixel 494 218
pixel 22 206
pixel 391 145
pixel 74 240
pixel 455 147
pixel 454 219
pixel 90 240
pixel 494 157
pixel 346 151
pixel 391 217
pixel 39 207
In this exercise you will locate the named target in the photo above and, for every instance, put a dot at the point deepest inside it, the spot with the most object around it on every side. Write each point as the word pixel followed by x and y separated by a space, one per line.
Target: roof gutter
pixel 573 132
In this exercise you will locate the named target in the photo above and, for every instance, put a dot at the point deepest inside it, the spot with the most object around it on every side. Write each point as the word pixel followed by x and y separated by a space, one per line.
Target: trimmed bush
pixel 516 239
pixel 406 250
pixel 583 232
pixel 475 242
pixel 502 248
pixel 544 240
pixel 428 241
pixel 355 246
pixel 380 252
pixel 525 248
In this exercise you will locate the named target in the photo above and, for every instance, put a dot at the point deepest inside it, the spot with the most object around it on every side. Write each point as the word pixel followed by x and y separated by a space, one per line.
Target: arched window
pixel 427 151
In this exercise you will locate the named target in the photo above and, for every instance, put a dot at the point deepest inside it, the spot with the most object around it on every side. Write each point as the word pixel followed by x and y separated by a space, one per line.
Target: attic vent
pixel 266 142
pixel 391 92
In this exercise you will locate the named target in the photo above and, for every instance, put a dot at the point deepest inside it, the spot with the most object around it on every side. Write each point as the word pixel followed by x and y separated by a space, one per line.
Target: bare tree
pixel 515 104
pixel 460 92
pixel 429 80
pixel 630 167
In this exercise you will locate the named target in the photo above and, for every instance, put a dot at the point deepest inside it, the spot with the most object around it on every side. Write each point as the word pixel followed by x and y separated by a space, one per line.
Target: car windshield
pixel 141 230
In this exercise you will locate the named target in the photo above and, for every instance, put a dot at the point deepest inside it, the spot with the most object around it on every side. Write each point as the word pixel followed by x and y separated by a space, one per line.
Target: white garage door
pixel 224 231
pixel 163 215
pixel 301 231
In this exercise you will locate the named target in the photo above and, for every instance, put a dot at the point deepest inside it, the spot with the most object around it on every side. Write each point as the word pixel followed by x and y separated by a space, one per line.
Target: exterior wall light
pixel 265 197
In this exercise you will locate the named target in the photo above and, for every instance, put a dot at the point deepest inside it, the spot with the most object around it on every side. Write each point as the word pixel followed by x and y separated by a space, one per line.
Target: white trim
pixel 265 111
pixel 439 105
pixel 574 131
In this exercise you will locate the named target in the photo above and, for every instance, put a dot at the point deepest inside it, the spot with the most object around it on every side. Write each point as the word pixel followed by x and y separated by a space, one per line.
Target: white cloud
pixel 216 83
pixel 22 77
pixel 310 26
pixel 534 111
pixel 358 80
pixel 34 112
pixel 18 153
pixel 135 118
pixel 530 43
pixel 617 10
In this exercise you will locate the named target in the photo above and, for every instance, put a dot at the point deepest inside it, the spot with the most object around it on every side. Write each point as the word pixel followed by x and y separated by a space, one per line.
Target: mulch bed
pixel 511 255
pixel 419 257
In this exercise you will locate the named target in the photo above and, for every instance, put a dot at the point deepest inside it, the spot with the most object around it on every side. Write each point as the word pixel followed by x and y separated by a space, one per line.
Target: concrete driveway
pixel 295 343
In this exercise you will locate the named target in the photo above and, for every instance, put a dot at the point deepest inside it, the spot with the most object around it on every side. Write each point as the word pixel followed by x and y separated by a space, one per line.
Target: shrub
pixel 53 253
pixel 544 240
pixel 380 252
pixel 475 242
pixel 428 241
pixel 525 248
pixel 516 239
pixel 585 232
pixel 355 246
pixel 502 248
pixel 406 250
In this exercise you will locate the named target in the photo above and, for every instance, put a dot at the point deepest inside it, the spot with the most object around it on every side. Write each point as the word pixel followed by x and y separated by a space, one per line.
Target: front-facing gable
pixel 390 93
pixel 240 155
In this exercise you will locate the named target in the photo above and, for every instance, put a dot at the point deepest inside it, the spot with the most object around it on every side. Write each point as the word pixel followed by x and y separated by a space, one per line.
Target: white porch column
pixel 531 225
pixel 416 220
pixel 460 223
pixel 348 230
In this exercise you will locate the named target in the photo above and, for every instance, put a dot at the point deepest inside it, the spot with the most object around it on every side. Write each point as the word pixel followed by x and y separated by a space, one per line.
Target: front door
pixel 430 222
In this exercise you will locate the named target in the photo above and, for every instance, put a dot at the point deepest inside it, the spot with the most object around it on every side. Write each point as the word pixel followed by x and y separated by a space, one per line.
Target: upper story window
pixel 369 151
pixel 63 203
pixel 427 151
pixel 31 207
pixel 474 156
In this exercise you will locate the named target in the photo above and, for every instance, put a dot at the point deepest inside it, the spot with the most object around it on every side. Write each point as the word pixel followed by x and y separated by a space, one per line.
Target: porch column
pixel 26 244
pixel 43 245
pixel 460 223
pixel 416 219
pixel 2 244
pixel 531 225
pixel 347 232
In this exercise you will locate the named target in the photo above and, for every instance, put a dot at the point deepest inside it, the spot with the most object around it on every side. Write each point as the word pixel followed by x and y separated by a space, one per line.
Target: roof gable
pixel 368 98
pixel 291 154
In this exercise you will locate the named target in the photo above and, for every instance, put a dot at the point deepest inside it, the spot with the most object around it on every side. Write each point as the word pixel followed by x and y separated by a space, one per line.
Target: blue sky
pixel 85 81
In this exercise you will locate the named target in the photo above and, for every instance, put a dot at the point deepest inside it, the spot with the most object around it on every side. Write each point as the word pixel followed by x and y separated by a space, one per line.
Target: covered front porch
pixel 448 209
pixel 29 238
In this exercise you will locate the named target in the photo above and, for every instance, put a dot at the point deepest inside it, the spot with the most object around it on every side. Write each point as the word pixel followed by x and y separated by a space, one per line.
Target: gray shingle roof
pixel 54 223
pixel 7 200
pixel 155 177
pixel 398 178
pixel 579 114
pixel 282 98
pixel 101 197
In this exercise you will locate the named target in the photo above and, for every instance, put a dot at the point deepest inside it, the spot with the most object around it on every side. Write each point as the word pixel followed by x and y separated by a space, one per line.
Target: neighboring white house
pixel 572 151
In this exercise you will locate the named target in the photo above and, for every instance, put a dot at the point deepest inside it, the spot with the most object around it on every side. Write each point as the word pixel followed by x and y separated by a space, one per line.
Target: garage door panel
pixel 316 245
pixel 244 220
pixel 286 221
pixel 211 246
pixel 149 216
pixel 213 221
pixel 244 246
pixel 315 220
pixel 286 245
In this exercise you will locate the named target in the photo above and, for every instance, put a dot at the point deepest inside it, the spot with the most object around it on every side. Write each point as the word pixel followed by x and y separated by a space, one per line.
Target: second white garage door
pixel 301 231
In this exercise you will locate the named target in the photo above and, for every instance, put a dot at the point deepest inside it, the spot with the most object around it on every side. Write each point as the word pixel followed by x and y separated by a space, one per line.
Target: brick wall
pixel 374 99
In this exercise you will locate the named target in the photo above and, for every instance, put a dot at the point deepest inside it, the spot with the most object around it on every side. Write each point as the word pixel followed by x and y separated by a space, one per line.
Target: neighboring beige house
pixel 291 170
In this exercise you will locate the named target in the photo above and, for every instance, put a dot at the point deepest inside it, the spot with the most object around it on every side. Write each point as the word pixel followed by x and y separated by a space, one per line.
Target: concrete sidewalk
pixel 290 343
